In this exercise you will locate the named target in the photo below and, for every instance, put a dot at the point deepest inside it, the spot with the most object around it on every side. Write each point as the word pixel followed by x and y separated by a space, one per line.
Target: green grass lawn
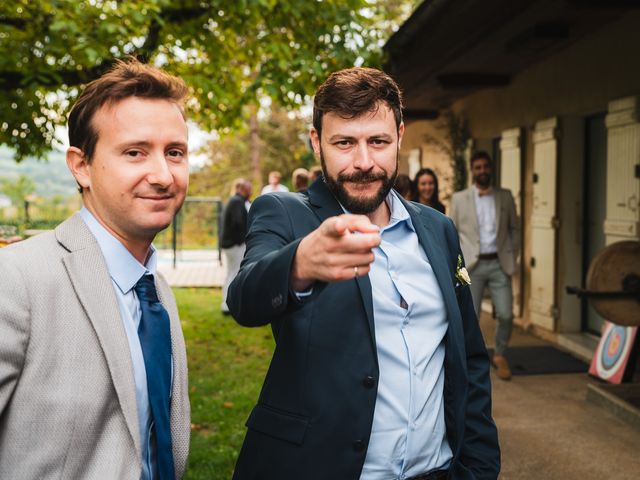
pixel 227 364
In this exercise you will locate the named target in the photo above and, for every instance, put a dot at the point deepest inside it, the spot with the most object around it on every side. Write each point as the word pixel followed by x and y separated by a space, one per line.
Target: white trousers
pixel 231 258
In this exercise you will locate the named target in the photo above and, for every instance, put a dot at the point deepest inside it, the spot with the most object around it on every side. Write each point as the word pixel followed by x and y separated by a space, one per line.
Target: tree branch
pixel 13 80
pixel 18 23
pixel 151 43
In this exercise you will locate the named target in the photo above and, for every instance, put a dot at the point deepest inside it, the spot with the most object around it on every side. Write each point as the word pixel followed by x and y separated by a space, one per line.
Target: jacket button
pixel 359 445
pixel 276 301
pixel 369 381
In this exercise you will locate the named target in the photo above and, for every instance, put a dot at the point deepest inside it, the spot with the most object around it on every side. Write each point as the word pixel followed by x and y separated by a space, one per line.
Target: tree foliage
pixel 17 191
pixel 283 146
pixel 231 53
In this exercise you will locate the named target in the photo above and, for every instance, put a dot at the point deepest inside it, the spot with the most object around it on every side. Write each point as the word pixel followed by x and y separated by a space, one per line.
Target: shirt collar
pixel 124 268
pixel 398 211
pixel 485 194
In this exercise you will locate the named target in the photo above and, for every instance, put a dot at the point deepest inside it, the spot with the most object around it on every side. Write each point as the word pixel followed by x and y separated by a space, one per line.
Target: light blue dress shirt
pixel 408 436
pixel 125 271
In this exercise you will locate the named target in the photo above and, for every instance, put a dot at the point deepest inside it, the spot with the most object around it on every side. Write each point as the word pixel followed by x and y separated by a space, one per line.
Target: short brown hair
pixel 315 172
pixel 126 79
pixel 480 155
pixel 237 185
pixel 300 179
pixel 353 91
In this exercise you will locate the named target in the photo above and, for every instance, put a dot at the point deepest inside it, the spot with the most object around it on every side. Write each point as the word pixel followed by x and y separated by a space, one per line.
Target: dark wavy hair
pixel 404 186
pixel 435 197
pixel 352 92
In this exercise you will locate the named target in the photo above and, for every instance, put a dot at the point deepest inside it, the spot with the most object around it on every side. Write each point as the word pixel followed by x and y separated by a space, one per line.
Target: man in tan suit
pixel 490 238
pixel 93 376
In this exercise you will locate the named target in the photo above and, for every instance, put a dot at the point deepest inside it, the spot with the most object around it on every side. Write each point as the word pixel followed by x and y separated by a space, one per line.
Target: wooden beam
pixel 416 114
pixel 472 80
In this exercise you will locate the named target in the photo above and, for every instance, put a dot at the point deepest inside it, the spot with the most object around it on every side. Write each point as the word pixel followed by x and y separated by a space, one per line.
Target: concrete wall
pixel 576 82
pixel 581 79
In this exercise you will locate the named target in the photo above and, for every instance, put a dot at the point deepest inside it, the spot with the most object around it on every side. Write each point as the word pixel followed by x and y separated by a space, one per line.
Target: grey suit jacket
pixel 463 214
pixel 67 393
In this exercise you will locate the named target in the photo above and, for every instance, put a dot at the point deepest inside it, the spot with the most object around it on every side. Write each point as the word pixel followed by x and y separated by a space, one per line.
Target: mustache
pixel 362 177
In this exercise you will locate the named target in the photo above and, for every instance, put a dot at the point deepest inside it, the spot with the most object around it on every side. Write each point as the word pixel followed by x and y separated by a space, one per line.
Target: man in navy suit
pixel 380 370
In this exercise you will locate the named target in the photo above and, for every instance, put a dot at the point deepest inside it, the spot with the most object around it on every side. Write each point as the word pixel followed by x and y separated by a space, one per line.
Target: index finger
pixel 358 223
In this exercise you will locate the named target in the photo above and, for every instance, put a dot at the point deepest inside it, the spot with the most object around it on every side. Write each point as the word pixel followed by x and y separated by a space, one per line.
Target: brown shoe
pixel 502 367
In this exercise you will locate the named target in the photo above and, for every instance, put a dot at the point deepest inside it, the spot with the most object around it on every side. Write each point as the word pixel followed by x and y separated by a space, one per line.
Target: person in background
pixel 274 184
pixel 247 203
pixel 490 239
pixel 404 186
pixel 300 180
pixel 233 234
pixel 93 368
pixel 315 172
pixel 426 189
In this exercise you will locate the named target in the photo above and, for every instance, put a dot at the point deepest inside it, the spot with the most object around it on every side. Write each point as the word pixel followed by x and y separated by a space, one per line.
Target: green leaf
pixel 235 55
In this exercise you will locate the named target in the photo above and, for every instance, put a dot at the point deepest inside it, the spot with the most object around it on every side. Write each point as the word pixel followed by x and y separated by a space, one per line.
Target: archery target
pixel 612 355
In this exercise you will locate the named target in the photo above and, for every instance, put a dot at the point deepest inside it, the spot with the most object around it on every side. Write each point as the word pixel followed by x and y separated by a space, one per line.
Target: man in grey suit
pixel 490 238
pixel 93 376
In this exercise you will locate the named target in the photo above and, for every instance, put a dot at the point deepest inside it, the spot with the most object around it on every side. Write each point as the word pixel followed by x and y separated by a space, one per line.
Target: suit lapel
pixel 497 200
pixel 88 274
pixel 472 202
pixel 324 203
pixel 433 245
pixel 325 206
pixel 179 395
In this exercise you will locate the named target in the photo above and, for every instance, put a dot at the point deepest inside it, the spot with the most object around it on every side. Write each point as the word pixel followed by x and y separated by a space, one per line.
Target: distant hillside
pixel 51 176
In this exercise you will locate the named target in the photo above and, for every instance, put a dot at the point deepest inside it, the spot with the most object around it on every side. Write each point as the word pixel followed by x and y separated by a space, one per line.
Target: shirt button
pixel 359 445
pixel 369 381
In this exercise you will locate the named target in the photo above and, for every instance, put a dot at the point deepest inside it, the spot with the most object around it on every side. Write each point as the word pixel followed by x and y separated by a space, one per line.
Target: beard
pixel 359 205
pixel 483 180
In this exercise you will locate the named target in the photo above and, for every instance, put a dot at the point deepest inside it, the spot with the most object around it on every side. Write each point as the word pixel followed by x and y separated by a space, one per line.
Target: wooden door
pixel 544 224
pixel 510 177
pixel 623 171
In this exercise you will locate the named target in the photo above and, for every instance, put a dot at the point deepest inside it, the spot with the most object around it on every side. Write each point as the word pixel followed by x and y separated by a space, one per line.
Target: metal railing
pixel 195 226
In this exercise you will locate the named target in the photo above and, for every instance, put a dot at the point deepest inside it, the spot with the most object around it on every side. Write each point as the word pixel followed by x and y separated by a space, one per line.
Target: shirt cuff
pixel 304 294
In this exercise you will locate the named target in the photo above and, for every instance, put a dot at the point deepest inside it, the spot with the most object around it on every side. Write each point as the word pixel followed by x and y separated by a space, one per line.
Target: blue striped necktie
pixel 155 338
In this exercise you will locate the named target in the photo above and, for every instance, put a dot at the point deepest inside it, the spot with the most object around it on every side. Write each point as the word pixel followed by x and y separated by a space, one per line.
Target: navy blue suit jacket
pixel 314 415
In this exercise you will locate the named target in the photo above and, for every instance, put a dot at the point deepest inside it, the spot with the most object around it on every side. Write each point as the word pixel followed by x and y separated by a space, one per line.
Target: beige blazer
pixel 463 214
pixel 67 393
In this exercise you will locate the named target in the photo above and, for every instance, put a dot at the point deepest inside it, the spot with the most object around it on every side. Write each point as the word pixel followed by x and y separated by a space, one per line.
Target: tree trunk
pixel 254 149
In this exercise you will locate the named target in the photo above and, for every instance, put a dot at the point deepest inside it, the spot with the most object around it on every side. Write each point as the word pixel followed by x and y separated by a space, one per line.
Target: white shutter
pixel 510 177
pixel 544 224
pixel 623 165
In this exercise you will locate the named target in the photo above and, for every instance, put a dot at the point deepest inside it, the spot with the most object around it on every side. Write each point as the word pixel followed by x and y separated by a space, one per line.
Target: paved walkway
pixel 549 431
pixel 194 268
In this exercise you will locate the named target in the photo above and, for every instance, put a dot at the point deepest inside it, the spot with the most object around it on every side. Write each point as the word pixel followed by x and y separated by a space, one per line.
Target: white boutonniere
pixel 461 273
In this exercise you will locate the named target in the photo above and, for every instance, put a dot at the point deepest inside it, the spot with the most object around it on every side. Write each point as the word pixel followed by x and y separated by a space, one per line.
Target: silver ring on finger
pixel 355 270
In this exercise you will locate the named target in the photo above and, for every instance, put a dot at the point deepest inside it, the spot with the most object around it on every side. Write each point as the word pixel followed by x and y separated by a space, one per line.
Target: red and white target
pixel 612 355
